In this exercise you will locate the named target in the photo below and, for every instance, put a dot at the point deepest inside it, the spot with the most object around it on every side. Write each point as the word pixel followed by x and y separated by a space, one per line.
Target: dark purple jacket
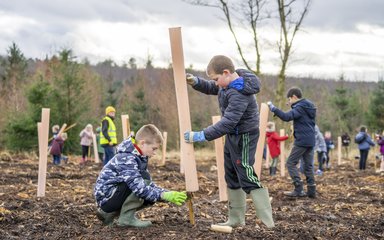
pixel 237 102
pixel 57 146
pixel 381 143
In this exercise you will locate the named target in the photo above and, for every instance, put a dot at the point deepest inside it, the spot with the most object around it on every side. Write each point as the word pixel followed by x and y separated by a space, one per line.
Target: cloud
pixel 344 15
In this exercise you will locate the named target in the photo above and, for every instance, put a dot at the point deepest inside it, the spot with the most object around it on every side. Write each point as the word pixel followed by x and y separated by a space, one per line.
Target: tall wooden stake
pixel 165 136
pixel 95 150
pixel 187 157
pixel 339 151
pixel 126 126
pixel 282 154
pixel 260 143
pixel 43 131
pixel 219 149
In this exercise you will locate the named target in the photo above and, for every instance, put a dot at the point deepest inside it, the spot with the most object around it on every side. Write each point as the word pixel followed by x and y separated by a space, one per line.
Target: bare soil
pixel 349 205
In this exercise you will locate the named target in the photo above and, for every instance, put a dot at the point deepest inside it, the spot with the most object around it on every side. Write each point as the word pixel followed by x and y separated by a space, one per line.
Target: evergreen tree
pixel 71 99
pixel 345 108
pixel 13 77
pixel 376 108
pixel 21 133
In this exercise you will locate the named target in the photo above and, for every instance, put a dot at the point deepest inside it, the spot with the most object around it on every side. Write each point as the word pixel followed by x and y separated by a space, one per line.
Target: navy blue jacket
pixel 303 114
pixel 238 106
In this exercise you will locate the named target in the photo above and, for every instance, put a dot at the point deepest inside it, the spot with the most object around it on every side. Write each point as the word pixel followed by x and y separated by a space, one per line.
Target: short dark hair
pixel 219 63
pixel 363 129
pixel 294 91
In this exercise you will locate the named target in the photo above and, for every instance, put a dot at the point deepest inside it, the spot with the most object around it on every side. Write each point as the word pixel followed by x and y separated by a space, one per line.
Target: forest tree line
pixel 78 92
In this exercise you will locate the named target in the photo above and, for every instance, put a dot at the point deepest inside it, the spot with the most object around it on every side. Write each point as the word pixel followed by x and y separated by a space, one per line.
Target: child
pixel 321 150
pixel 57 148
pixel 124 184
pixel 365 142
pixel 100 149
pixel 329 144
pixel 273 140
pixel 345 141
pixel 303 115
pixel 55 131
pixel 240 123
pixel 85 142
pixel 380 141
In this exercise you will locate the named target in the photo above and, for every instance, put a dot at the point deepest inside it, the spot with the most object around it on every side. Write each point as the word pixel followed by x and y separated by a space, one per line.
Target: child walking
pixel 57 148
pixel 85 142
pixel 303 115
pixel 240 124
pixel 124 185
pixel 273 141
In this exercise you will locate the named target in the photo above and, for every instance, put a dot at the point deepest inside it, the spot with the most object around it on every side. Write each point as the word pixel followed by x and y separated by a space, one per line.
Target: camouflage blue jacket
pixel 128 166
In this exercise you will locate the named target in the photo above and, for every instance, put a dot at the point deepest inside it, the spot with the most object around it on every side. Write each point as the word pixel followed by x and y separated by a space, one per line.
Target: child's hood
pixel 307 105
pixel 126 146
pixel 248 83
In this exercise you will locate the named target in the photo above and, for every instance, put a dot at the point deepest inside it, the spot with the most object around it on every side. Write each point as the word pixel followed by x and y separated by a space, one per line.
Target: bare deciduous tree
pixel 253 12
pixel 248 11
pixel 290 23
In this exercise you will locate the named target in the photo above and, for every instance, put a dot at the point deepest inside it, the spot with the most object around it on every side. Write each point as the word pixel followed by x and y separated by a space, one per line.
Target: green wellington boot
pixel 260 198
pixel 127 214
pixel 236 208
pixel 106 218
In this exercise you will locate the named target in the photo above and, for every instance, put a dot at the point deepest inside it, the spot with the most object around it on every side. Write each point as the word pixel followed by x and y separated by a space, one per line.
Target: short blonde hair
pixel 150 134
pixel 55 128
pixel 219 63
pixel 271 126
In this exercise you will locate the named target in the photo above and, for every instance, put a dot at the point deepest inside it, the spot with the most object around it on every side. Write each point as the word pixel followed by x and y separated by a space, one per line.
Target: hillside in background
pixel 148 96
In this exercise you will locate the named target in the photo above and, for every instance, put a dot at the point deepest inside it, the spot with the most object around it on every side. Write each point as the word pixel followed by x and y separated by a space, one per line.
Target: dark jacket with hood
pixel 303 115
pixel 238 106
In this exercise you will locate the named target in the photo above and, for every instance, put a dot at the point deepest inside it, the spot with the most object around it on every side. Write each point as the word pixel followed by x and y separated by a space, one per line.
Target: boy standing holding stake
pixel 240 123
pixel 303 115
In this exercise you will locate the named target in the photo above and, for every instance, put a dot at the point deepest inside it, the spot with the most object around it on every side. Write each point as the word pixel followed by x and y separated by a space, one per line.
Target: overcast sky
pixel 338 36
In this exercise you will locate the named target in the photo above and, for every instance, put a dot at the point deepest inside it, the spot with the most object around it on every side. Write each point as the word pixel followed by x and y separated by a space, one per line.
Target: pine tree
pixel 376 108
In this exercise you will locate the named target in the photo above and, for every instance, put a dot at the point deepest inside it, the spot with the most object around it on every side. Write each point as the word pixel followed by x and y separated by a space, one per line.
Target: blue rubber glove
pixel 191 137
pixel 191 80
pixel 271 106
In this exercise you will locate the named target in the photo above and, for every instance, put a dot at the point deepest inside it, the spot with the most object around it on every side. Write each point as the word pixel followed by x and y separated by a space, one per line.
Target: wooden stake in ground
pixel 267 155
pixel 260 144
pixel 165 136
pixel 187 157
pixel 282 154
pixel 219 149
pixel 126 126
pixel 43 131
pixel 95 150
pixel 339 151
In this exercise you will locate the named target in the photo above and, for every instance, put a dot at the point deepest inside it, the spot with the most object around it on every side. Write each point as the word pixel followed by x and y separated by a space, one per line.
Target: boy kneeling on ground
pixel 124 185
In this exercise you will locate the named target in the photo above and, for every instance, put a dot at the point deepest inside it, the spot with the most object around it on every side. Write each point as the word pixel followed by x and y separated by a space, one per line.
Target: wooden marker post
pixel 95 150
pixel 126 126
pixel 267 155
pixel 187 157
pixel 43 130
pixel 165 136
pixel 282 154
pixel 219 149
pixel 260 143
pixel 339 151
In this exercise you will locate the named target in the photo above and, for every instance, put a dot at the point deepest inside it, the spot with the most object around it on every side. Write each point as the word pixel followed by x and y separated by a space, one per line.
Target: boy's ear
pixel 141 142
